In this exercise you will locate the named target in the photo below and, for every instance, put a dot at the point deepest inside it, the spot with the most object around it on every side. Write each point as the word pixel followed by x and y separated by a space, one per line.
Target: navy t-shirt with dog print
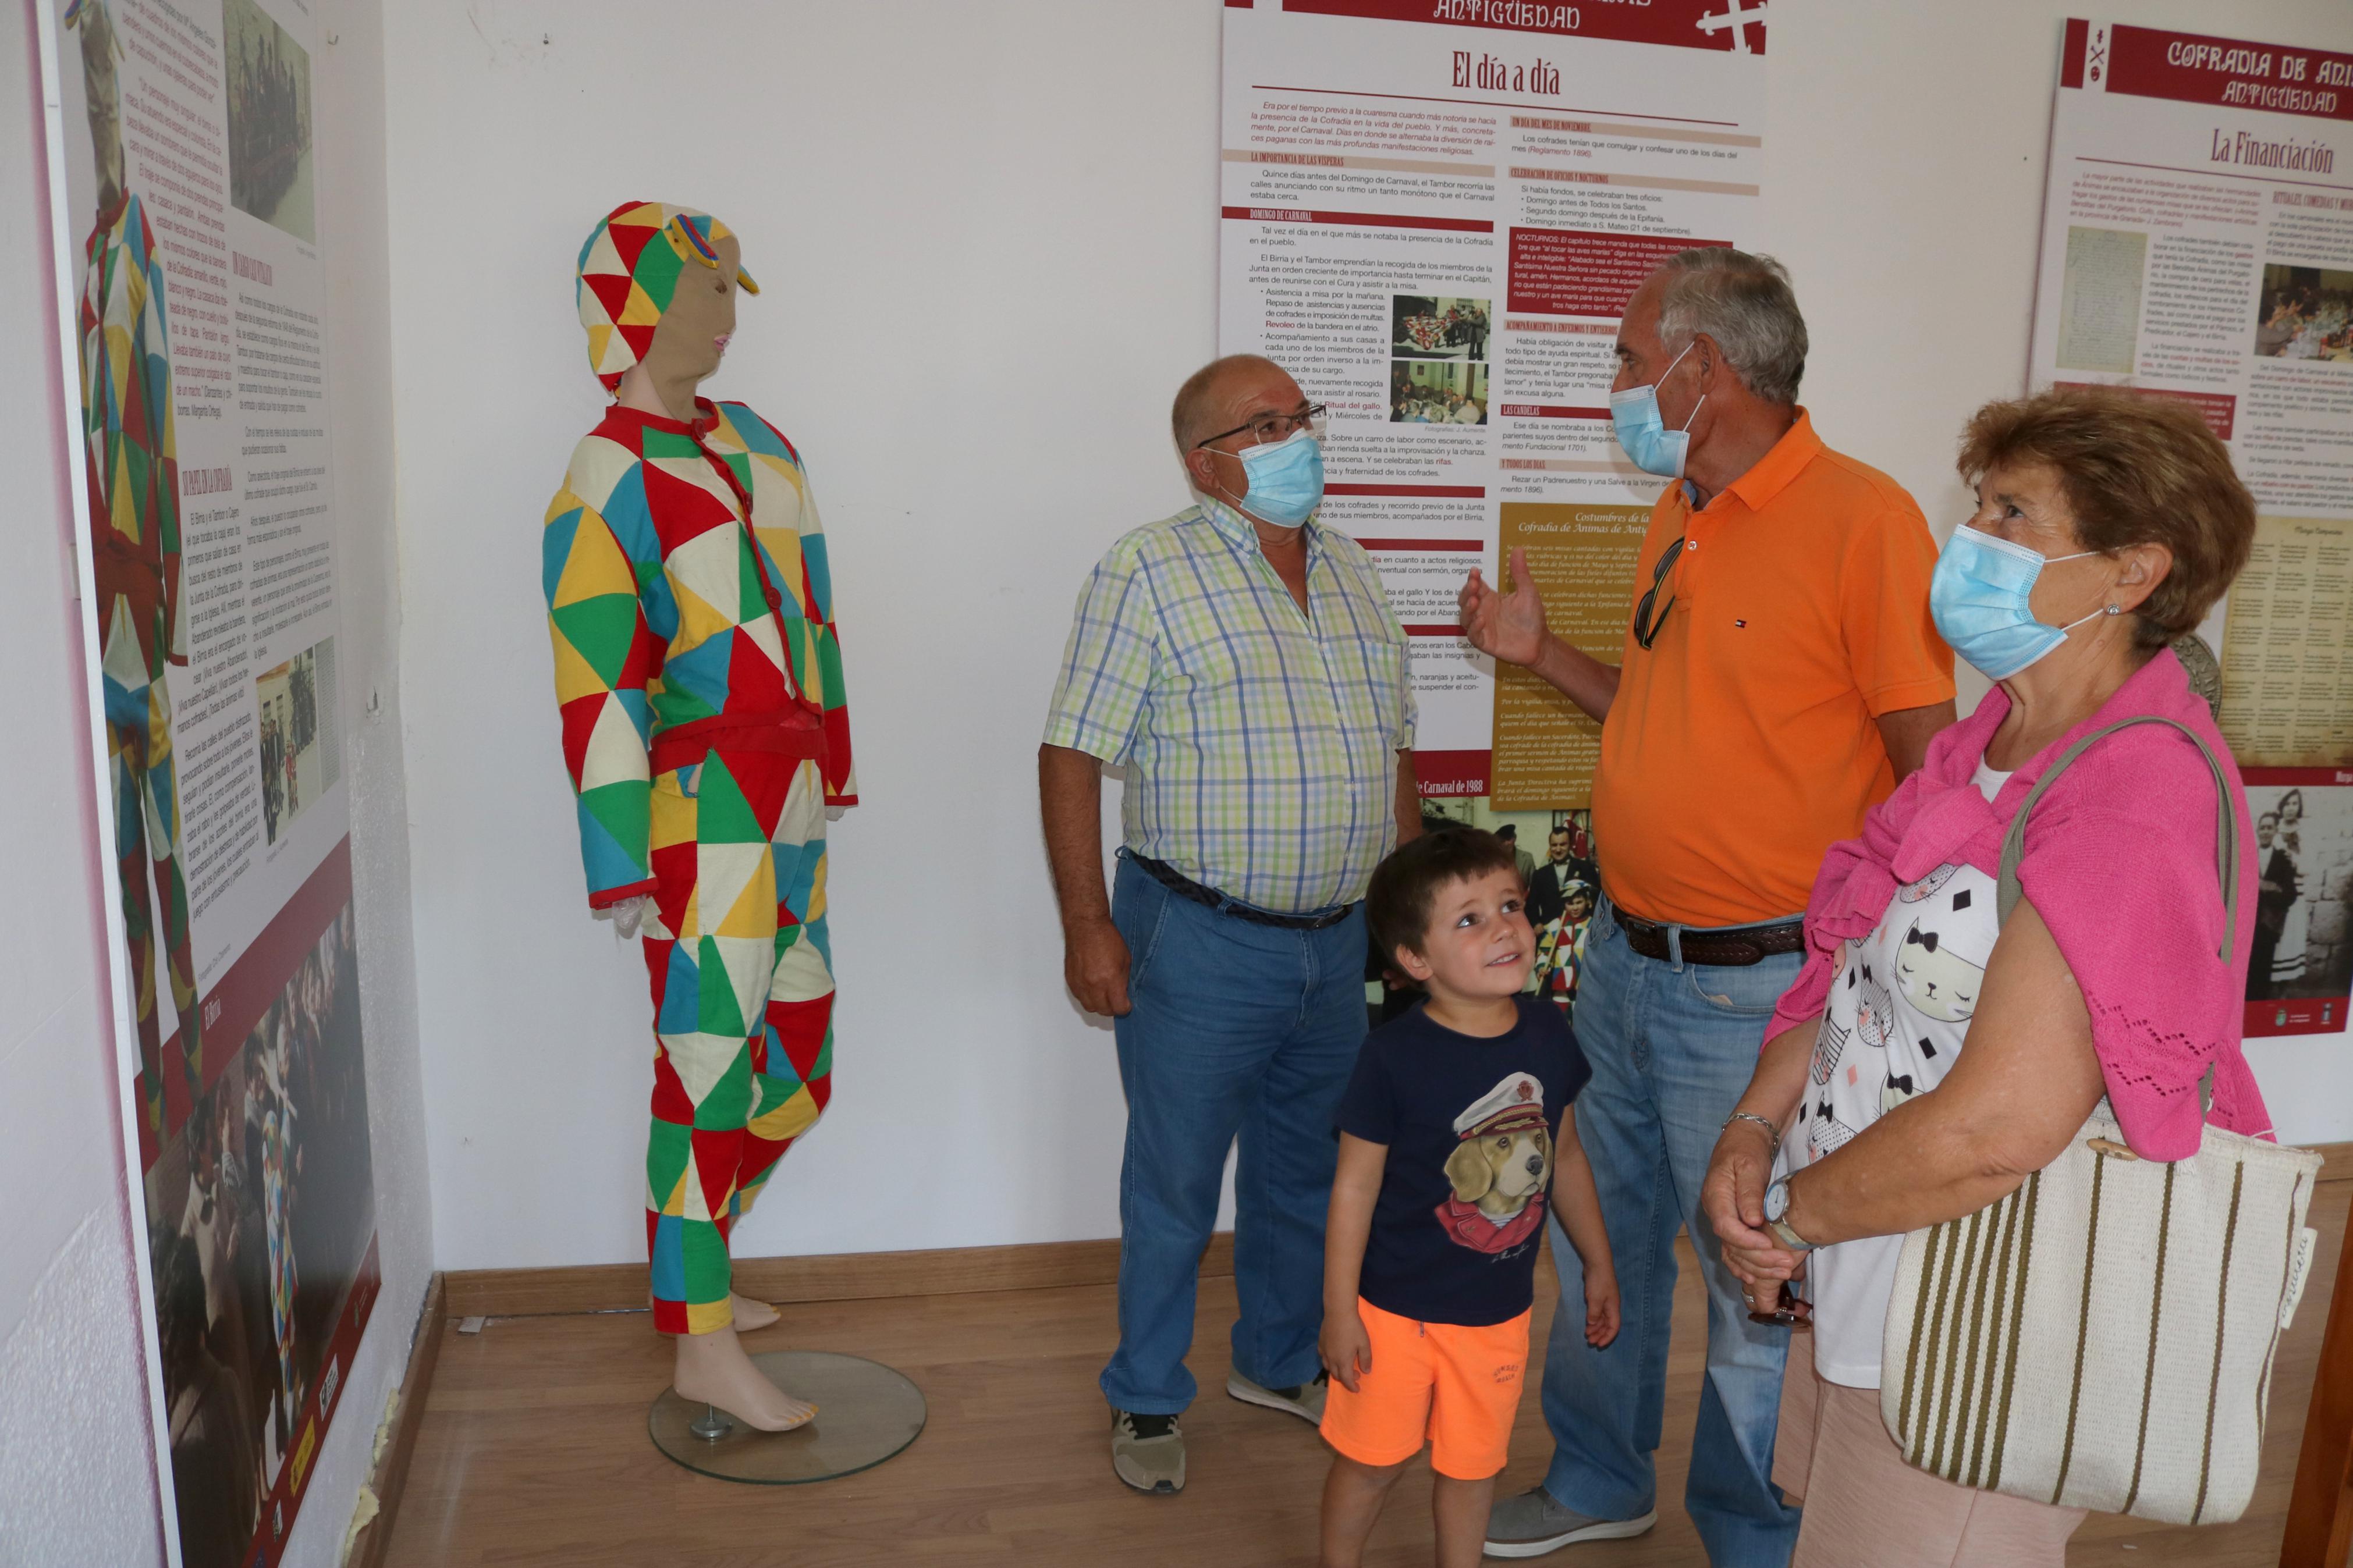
pixel 1470 1125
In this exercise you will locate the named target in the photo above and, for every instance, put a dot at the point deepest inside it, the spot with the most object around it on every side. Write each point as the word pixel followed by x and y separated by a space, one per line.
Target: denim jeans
pixel 1673 1046
pixel 1237 1030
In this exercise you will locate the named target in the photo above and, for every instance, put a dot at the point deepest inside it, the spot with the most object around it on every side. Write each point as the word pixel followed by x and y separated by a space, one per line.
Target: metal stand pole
pixel 712 1425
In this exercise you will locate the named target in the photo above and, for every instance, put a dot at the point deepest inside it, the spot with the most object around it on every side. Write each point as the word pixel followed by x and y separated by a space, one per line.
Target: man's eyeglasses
pixel 1646 624
pixel 1270 427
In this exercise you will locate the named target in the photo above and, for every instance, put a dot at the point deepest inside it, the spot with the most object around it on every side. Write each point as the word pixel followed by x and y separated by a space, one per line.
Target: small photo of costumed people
pixel 1558 863
pixel 260 1211
pixel 298 745
pixel 1437 392
pixel 2302 950
pixel 1426 327
pixel 270 163
pixel 2304 312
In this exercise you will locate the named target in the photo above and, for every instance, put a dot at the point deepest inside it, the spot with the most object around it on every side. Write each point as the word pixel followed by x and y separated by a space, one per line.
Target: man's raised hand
pixel 1509 628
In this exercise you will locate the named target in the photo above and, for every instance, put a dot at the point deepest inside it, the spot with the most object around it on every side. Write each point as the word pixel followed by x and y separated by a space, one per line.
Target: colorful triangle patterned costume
pixel 698 674
pixel 132 475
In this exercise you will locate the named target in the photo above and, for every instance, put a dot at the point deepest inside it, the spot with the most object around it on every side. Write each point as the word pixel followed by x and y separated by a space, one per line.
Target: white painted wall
pixel 77 1479
pixel 987 241
pixel 77 1454
pixel 987 244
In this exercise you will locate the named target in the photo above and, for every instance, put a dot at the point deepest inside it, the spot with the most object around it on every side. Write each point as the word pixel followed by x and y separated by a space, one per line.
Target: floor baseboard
pixel 838 1276
pixel 858 1276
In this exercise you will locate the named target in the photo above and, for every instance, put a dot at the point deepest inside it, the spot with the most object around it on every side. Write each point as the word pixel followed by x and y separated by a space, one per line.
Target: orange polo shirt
pixel 1743 742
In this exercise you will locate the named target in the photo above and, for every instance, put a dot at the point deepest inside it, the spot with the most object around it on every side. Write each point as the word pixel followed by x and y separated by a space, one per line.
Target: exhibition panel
pixel 187 142
pixel 1594 371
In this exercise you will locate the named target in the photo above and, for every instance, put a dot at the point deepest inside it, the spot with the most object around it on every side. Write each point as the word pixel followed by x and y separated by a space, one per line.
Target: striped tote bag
pixel 2103 1338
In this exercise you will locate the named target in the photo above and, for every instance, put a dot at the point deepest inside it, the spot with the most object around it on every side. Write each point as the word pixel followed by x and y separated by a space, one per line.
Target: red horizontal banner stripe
pixel 1461 492
pixel 1359 220
pixel 2193 68
pixel 1547 411
pixel 1683 24
pixel 1452 774
pixel 2290 1015
pixel 2317 775
pixel 1470 544
pixel 1426 629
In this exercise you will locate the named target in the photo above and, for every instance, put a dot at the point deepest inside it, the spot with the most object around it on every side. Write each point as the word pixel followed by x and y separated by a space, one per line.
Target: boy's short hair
pixel 1407 884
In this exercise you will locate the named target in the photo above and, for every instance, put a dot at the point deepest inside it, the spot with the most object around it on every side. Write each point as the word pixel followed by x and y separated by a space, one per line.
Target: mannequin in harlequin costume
pixel 699 680
pixel 134 534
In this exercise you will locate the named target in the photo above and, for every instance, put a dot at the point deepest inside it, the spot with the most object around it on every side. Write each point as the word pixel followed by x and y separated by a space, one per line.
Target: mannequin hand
pixel 1094 966
pixel 627 916
pixel 1508 627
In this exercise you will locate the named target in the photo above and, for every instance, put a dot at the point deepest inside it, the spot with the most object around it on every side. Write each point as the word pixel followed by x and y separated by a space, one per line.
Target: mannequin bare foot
pixel 713 1370
pixel 750 1315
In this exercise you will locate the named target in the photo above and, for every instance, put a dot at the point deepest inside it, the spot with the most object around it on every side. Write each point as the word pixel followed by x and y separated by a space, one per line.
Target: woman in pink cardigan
pixel 2108 523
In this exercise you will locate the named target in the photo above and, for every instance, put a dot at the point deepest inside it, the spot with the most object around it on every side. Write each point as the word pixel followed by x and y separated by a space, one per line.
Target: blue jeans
pixel 1674 1046
pixel 1238 1029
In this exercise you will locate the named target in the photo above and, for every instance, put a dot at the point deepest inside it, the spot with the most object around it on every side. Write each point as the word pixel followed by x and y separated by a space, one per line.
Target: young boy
pixel 1450 1131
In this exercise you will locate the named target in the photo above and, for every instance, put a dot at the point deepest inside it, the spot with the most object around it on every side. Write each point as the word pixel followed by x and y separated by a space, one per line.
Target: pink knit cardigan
pixel 2119 862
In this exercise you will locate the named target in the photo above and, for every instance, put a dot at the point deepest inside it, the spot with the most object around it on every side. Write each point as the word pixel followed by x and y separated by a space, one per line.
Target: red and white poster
pixel 2197 244
pixel 192 308
pixel 1433 212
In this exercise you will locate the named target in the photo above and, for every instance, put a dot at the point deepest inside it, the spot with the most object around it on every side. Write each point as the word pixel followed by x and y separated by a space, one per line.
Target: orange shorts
pixel 1456 1387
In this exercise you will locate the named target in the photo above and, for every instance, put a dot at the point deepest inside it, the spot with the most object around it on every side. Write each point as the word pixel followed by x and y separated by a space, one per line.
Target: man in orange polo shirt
pixel 1779 673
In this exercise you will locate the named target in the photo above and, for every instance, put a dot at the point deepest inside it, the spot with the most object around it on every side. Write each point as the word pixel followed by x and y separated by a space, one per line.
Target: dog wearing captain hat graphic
pixel 1499 1168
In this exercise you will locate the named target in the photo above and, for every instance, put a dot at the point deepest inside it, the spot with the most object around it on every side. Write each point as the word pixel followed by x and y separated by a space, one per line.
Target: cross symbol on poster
pixel 1738 20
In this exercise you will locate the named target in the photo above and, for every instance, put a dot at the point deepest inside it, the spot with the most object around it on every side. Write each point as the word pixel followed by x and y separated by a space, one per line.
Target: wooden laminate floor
pixel 534 1450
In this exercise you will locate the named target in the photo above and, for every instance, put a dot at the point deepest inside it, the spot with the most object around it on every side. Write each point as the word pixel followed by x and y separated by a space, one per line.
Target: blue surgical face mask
pixel 1978 596
pixel 1286 479
pixel 1634 413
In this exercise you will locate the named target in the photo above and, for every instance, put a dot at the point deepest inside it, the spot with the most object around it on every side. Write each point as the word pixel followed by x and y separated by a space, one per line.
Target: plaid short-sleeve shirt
pixel 1260 741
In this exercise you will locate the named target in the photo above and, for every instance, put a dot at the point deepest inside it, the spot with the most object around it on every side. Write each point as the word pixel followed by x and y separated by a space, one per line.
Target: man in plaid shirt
pixel 1240 661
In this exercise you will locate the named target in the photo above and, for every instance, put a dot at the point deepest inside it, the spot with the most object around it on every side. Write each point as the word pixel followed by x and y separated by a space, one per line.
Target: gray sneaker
pixel 1148 1452
pixel 1306 1401
pixel 1532 1524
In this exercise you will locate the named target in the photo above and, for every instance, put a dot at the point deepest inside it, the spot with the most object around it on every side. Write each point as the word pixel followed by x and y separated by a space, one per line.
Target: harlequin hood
pixel 628 272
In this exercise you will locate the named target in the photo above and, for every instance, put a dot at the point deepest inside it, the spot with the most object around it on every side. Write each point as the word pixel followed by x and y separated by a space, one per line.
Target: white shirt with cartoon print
pixel 1899 1011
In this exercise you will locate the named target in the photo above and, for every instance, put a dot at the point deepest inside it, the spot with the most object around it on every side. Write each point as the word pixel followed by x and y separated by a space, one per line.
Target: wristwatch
pixel 1776 1209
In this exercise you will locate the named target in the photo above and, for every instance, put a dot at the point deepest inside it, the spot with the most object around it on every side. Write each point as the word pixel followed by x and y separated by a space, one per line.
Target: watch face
pixel 1777 1201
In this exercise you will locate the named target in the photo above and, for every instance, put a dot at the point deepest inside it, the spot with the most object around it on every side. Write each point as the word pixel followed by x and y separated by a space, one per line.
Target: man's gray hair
pixel 1744 302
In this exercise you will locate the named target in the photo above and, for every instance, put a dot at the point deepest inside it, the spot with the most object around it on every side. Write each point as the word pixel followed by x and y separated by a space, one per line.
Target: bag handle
pixel 2227 848
pixel 2227 845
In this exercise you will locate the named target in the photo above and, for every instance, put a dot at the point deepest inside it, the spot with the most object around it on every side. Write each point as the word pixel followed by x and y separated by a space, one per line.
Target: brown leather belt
pixel 1735 948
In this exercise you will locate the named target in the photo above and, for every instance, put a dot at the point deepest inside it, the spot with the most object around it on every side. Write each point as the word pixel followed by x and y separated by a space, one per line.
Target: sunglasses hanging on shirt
pixel 1646 624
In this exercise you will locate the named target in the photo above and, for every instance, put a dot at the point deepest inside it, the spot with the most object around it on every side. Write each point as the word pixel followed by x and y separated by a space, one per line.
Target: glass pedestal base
pixel 867 1413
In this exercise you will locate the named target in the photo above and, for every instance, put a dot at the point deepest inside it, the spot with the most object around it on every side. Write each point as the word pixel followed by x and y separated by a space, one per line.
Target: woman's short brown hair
pixel 2136 470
